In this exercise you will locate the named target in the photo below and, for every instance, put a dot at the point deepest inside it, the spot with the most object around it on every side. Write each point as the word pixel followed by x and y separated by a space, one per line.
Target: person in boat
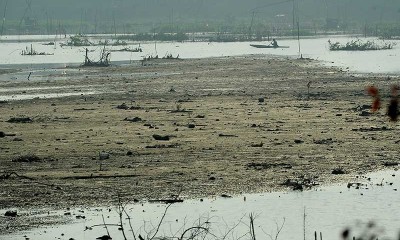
pixel 274 43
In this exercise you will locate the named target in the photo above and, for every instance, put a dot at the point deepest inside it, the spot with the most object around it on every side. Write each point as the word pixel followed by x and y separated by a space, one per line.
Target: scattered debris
pixel 324 141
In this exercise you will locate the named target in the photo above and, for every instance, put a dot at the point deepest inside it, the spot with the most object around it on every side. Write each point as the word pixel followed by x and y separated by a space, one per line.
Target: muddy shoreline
pixel 227 125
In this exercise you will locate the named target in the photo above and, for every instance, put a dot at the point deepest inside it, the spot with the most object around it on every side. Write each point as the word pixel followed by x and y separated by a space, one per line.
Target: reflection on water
pixel 328 210
pixel 385 61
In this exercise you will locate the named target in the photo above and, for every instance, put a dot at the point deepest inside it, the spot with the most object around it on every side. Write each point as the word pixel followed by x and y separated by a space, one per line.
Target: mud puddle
pixel 368 205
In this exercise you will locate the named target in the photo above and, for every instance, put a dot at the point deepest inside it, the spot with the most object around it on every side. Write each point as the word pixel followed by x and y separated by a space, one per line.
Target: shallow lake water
pixel 384 61
pixel 328 210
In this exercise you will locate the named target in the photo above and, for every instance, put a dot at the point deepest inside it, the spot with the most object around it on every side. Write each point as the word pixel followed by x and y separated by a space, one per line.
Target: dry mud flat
pixel 196 127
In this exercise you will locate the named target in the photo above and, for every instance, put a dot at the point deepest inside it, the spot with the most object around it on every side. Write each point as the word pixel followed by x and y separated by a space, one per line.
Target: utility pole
pixel 47 23
pixel 294 18
pixel 4 18
pixel 80 26
pixel 251 24
pixel 115 27
pixel 95 22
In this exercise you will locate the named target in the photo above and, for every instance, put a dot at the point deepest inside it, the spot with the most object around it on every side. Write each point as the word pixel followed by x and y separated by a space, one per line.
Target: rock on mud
pixel 11 213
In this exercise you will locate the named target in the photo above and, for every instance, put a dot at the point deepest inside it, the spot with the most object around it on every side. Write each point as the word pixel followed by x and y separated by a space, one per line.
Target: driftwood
pixel 10 174
pixel 100 176
pixel 167 201
pixel 226 135
pixel 3 134
pixel 20 120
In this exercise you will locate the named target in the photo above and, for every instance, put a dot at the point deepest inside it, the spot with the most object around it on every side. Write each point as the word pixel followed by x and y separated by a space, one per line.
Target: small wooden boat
pixel 267 46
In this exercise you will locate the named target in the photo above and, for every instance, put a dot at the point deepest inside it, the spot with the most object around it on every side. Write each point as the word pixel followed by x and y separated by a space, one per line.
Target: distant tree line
pixel 252 17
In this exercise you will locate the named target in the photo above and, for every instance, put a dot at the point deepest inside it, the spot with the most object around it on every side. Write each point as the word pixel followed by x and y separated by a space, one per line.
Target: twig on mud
pixel 252 232
pixel 121 210
pixel 304 223
pixel 278 230
pixel 233 228
pixel 161 220
pixel 8 175
pixel 130 224
pixel 164 214
pixel 105 225
pixel 193 235
pixel 101 225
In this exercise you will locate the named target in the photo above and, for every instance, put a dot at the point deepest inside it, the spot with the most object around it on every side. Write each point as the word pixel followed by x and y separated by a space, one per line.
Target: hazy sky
pixel 148 10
